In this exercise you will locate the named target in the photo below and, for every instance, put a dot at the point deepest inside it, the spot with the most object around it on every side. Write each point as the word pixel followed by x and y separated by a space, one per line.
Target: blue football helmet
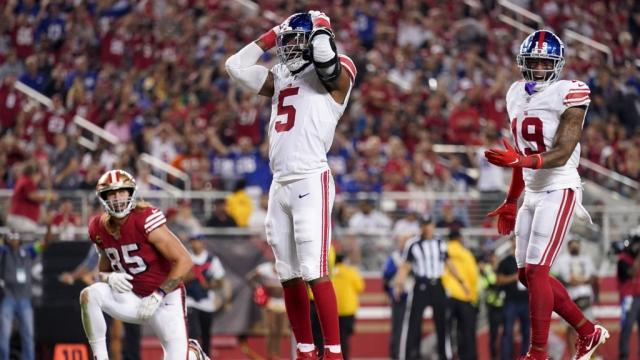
pixel 293 41
pixel 541 45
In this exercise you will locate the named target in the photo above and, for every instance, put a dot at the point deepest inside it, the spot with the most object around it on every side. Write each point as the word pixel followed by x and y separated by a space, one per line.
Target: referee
pixel 426 257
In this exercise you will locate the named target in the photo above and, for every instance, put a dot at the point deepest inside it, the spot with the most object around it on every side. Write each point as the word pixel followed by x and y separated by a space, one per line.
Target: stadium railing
pixel 611 222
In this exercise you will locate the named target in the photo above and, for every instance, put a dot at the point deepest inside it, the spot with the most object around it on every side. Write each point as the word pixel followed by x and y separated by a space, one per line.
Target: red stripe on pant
pixel 557 236
pixel 325 223
pixel 564 233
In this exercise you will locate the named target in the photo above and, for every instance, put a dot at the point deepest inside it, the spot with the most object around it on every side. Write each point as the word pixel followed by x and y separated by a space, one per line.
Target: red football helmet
pixel 116 180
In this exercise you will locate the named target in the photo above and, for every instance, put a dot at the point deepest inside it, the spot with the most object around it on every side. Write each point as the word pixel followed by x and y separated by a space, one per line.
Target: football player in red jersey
pixel 142 264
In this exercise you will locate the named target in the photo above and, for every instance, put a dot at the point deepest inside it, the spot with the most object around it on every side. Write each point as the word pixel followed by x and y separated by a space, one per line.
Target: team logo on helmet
pixel 117 180
pixel 292 42
pixel 541 45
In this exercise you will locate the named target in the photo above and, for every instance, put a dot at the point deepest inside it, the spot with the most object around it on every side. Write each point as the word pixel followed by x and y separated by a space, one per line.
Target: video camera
pixel 630 244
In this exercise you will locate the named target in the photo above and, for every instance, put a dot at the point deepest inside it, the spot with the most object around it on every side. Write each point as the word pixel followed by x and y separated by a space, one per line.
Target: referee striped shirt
pixel 427 257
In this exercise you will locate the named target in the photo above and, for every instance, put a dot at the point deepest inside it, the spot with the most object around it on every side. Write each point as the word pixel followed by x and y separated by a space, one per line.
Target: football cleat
pixel 587 345
pixel 306 355
pixel 196 352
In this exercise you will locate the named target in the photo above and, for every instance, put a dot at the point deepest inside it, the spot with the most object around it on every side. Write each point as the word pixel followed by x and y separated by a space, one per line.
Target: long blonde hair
pixel 112 224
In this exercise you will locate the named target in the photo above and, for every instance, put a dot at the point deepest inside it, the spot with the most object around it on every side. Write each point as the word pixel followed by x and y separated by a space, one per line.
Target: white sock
pixel 99 349
pixel 306 347
pixel 334 348
pixel 95 327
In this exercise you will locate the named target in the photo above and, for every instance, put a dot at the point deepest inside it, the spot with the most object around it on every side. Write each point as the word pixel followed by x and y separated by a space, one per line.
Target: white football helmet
pixel 116 180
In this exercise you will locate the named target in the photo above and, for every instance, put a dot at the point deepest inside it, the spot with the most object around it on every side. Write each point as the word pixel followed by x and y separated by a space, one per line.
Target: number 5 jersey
pixel 130 251
pixel 303 121
pixel 534 122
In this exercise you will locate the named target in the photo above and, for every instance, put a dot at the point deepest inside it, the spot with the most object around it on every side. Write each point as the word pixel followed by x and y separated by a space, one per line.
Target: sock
pixel 564 306
pixel 296 302
pixel 95 327
pixel 568 310
pixel 540 304
pixel 327 308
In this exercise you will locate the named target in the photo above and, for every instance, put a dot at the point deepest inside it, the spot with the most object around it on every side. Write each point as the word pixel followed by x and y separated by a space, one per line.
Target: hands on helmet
pixel 320 19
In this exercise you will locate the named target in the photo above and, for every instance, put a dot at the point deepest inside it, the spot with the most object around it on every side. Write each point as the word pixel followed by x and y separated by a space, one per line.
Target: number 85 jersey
pixel 534 122
pixel 303 121
pixel 130 251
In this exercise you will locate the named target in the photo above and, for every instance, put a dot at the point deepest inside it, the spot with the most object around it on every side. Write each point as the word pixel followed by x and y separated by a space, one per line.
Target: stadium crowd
pixel 151 73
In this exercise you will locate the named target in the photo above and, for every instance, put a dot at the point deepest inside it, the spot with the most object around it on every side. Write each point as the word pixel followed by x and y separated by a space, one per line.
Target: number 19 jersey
pixel 303 121
pixel 534 122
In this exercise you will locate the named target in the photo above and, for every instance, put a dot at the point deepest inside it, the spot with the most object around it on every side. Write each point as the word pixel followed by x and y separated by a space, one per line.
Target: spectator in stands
pixel 207 291
pixel 64 164
pixel 16 260
pixel 10 103
pixel 186 222
pixel 461 286
pixel 66 222
pixel 33 78
pixel 349 284
pixel 11 66
pixel 448 218
pixel 516 305
pixel 369 220
pixel 220 217
pixel 239 204
pixel 26 199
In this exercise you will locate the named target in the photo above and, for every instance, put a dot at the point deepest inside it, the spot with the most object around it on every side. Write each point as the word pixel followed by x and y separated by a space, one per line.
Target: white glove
pixel 320 19
pixel 149 305
pixel 119 281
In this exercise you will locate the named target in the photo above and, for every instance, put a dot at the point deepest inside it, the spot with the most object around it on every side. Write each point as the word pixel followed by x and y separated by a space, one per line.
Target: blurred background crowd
pixel 431 73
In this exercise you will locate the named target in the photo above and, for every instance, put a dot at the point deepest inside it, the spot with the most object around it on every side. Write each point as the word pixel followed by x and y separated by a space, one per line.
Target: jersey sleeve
pixel 574 93
pixel 94 223
pixel 348 65
pixel 151 219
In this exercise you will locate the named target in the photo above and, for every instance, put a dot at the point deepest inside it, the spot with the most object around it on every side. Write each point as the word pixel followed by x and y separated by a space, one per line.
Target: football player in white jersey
pixel 546 117
pixel 310 88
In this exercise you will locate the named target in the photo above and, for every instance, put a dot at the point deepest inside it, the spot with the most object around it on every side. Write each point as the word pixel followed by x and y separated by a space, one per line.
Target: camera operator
pixel 629 288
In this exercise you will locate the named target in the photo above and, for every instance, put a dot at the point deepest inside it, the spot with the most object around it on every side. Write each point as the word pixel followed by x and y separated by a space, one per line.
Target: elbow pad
pixel 322 50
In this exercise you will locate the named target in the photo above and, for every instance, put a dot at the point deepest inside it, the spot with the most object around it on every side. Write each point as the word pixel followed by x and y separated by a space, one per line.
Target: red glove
pixel 511 158
pixel 506 214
